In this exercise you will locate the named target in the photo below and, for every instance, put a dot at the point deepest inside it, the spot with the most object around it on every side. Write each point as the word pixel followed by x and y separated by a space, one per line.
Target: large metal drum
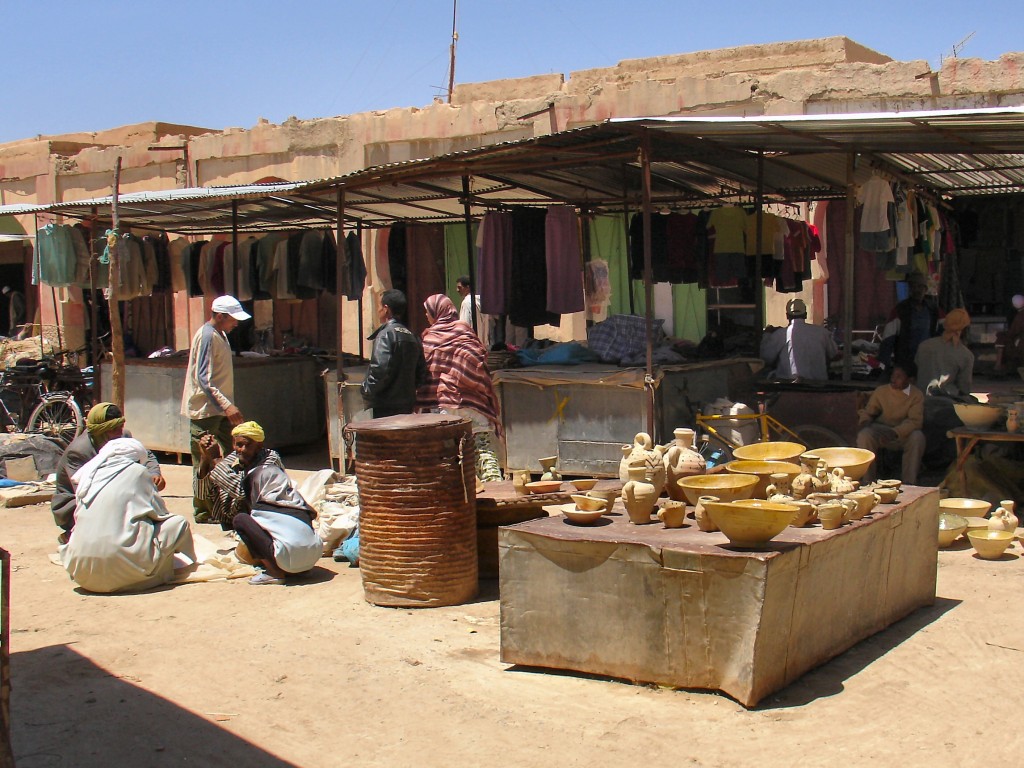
pixel 417 518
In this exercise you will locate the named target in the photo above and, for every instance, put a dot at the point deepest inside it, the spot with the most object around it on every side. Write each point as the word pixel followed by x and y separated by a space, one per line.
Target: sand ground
pixel 228 674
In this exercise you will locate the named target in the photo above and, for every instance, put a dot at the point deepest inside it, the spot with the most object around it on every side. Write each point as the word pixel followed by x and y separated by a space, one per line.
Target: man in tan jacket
pixel 893 419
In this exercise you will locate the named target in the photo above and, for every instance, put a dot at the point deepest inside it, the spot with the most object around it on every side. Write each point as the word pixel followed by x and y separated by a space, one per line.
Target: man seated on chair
pixel 893 419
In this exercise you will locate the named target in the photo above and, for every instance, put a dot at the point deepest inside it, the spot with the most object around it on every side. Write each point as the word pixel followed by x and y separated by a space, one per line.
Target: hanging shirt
pixel 564 260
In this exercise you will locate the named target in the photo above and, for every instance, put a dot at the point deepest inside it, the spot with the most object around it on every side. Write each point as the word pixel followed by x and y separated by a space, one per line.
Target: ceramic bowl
pixel 976 524
pixel 770 451
pixel 609 497
pixel 763 470
pixel 584 484
pixel 572 514
pixel 950 527
pixel 965 507
pixel 544 486
pixel 589 503
pixel 990 545
pixel 726 487
pixel 853 461
pixel 978 415
pixel 751 523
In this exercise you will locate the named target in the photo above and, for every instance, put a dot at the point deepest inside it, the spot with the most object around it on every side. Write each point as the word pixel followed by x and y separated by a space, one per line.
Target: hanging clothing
pixel 356 283
pixel 727 228
pixel 564 260
pixel 528 295
pixel 495 262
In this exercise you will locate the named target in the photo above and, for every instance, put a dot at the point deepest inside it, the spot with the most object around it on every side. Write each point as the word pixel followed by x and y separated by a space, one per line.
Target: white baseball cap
pixel 229 305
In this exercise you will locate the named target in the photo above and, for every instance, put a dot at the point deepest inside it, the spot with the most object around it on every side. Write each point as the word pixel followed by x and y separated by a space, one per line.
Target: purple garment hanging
pixel 495 278
pixel 564 260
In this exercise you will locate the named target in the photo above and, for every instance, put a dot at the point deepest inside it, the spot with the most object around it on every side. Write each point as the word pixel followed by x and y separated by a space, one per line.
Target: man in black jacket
pixel 397 366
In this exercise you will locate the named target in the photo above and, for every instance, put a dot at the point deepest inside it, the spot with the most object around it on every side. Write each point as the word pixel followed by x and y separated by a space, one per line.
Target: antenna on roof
pixel 455 39
pixel 957 47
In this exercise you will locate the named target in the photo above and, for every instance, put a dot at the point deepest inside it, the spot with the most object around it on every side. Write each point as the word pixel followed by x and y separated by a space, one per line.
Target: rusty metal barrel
pixel 417 509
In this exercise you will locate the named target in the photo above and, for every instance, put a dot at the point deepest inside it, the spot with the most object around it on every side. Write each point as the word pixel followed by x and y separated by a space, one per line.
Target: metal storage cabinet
pixel 584 414
pixel 283 394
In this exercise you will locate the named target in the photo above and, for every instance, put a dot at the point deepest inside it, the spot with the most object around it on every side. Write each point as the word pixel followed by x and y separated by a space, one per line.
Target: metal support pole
pixel 359 301
pixel 338 285
pixel 759 313
pixel 645 162
pixel 851 206
pixel 467 215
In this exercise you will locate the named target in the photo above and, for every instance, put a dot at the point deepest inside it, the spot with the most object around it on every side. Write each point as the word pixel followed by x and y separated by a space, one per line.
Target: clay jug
pixel 803 483
pixel 807 513
pixel 780 487
pixel 1012 420
pixel 840 483
pixel 550 473
pixel 681 460
pixel 831 515
pixel 701 515
pixel 639 495
pixel 643 450
pixel 672 513
pixel 1002 518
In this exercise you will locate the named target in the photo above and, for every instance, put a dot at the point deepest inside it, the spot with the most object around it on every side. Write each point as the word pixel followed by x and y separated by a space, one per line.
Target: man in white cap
pixel 800 350
pixel 209 395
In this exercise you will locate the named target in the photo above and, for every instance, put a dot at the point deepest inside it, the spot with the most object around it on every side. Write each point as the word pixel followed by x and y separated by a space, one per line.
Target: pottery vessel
pixel 1012 420
pixel 813 479
pixel 780 488
pixel 639 495
pixel 700 514
pixel 887 495
pixel 831 516
pixel 817 499
pixel 550 473
pixel 990 545
pixel 672 513
pixel 682 460
pixel 840 483
pixel 866 501
pixel 1003 518
pixel 806 514
pixel 643 450
pixel 520 477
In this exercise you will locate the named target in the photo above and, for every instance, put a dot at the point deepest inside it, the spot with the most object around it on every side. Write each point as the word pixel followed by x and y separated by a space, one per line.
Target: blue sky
pixel 86 66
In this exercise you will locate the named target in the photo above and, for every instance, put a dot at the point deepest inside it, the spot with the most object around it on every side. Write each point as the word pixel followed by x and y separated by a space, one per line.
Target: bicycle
pixel 53 413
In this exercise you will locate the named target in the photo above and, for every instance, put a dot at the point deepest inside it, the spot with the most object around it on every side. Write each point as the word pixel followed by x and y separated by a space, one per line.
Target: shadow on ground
pixel 66 711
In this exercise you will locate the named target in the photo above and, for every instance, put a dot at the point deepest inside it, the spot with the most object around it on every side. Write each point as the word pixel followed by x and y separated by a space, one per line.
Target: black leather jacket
pixel 397 368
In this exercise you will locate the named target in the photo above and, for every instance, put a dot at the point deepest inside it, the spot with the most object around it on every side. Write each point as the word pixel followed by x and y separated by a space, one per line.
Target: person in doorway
pixel 16 311
pixel 800 350
pixel 208 398
pixel 466 311
pixel 892 419
pixel 945 370
pixel 911 321
pixel 125 539
pixel 397 366
pixel 458 382
pixel 1010 343
pixel 250 488
pixel 104 423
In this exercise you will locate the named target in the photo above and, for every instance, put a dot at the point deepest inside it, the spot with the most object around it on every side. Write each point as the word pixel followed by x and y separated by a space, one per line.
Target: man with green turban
pixel 104 423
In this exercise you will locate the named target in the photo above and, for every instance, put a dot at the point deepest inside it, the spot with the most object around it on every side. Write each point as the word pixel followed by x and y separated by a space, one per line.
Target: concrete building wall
pixel 829 75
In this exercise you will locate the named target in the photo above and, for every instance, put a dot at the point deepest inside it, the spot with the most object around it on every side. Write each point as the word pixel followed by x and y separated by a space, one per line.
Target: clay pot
pixel 681 460
pixel 813 479
pixel 866 501
pixel 1002 518
pixel 840 483
pixel 806 515
pixel 643 450
pixel 672 513
pixel 780 488
pixel 886 495
pixel 638 495
pixel 550 473
pixel 700 514
pixel 831 515
pixel 520 477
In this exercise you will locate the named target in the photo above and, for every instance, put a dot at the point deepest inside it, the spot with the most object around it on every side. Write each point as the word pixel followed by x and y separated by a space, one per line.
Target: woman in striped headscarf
pixel 458 382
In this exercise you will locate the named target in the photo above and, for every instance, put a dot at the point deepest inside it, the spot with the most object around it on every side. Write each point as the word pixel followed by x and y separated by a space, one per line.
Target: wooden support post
pixel 116 333
pixel 467 218
pixel 645 162
pixel 848 292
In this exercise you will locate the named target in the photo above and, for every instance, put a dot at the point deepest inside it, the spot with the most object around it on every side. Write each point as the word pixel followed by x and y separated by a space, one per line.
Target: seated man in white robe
pixel 125 539
pixel 250 488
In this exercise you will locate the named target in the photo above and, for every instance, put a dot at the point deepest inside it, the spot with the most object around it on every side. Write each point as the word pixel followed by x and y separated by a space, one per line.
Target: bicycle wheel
pixel 57 417
pixel 814 436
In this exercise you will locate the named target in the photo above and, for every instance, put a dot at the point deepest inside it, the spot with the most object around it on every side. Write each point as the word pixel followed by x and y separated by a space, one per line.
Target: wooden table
pixel 681 607
pixel 967 438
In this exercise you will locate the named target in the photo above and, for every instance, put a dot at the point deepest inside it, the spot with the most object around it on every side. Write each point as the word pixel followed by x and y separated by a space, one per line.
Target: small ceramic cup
pixel 806 514
pixel 831 515
pixel 887 495
pixel 866 501
pixel 520 478
pixel 672 513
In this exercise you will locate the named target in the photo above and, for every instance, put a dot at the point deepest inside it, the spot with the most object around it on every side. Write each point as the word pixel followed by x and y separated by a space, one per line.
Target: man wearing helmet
pixel 800 350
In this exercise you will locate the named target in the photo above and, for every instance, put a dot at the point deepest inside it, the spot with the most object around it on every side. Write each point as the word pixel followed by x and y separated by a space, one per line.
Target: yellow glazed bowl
pixel 950 527
pixel 772 451
pixel 763 470
pixel 726 487
pixel 584 484
pixel 990 545
pixel 544 486
pixel 965 507
pixel 978 415
pixel 589 503
pixel 853 461
pixel 573 514
pixel 751 523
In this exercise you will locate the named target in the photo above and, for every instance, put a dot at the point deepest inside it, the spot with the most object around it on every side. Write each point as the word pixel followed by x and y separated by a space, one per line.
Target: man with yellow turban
pixel 945 371
pixel 104 423
pixel 250 492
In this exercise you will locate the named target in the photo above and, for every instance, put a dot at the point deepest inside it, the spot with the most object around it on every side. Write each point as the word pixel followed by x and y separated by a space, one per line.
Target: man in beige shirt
pixel 893 419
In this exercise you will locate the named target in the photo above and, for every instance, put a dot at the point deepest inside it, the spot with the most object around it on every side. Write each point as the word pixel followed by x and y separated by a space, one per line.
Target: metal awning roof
pixel 695 161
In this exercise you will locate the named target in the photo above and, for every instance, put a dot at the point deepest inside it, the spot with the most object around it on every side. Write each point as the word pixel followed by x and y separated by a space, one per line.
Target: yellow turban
pixel 103 418
pixel 955 321
pixel 249 429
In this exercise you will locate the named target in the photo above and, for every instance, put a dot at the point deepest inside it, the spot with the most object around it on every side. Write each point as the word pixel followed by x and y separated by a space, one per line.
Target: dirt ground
pixel 228 674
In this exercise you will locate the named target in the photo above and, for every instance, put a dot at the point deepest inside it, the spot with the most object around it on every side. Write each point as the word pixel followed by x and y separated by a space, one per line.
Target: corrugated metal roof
pixel 694 161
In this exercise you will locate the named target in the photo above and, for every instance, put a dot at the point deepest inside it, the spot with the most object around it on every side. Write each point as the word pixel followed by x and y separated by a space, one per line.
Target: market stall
pixel 681 607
